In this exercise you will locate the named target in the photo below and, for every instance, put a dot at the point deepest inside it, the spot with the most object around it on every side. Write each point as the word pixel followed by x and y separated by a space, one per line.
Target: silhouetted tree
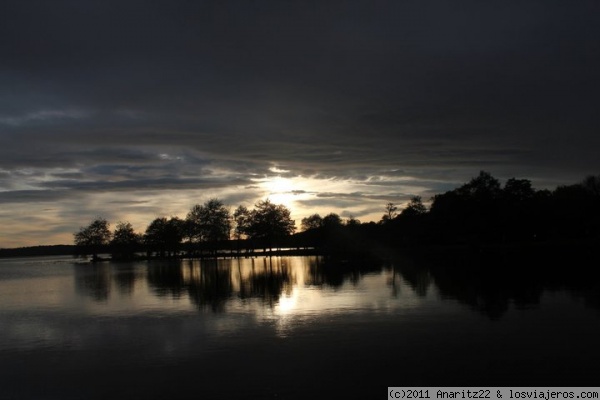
pixel 313 221
pixel 518 190
pixel 408 227
pixel 415 207
pixel 470 212
pixel 332 221
pixel 591 183
pixel 518 212
pixel 125 242
pixel 576 211
pixel 270 223
pixel 163 236
pixel 241 219
pixel 482 187
pixel 335 236
pixel 210 222
pixel 352 222
pixel 390 212
pixel 476 212
pixel 93 238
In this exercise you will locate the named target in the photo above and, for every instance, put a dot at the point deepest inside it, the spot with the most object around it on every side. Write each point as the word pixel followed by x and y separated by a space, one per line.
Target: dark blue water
pixel 295 327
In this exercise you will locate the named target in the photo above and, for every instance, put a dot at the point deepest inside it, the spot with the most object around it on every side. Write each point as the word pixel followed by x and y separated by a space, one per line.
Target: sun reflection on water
pixel 287 303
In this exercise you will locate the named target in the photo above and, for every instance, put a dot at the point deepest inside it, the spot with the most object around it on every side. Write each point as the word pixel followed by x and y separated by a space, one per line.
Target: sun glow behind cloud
pixel 303 194
pixel 48 204
pixel 360 198
pixel 284 191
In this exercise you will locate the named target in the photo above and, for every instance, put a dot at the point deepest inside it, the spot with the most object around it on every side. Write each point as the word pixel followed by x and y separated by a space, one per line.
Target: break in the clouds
pixel 136 109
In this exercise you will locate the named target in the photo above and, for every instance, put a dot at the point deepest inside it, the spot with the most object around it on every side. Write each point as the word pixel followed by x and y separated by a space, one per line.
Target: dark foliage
pixel 481 212
pixel 163 236
pixel 93 239
pixel 125 242
pixel 34 251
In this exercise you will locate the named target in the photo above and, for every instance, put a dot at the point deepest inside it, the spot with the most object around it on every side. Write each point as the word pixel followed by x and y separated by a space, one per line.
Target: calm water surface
pixel 294 327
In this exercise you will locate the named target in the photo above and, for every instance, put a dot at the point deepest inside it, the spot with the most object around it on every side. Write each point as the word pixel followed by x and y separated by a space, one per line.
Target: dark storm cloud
pixel 134 95
pixel 33 196
pixel 148 184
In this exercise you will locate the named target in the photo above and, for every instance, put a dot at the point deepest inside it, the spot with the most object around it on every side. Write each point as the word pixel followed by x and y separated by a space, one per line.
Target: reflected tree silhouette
pixel 211 283
pixel 491 282
pixel 94 281
pixel 418 278
pixel 97 280
pixel 334 272
pixel 125 277
pixel 206 284
pixel 269 281
pixel 211 287
pixel 166 278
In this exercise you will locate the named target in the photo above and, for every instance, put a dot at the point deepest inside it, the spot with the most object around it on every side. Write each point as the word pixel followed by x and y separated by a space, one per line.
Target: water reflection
pixel 335 272
pixel 491 283
pixel 488 285
pixel 125 279
pixel 452 319
pixel 266 280
pixel 94 280
pixel 207 284
pixel 213 283
pixel 407 270
pixel 98 280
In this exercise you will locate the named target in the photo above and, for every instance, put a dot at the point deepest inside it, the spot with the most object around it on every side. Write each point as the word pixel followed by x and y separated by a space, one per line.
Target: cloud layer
pixel 156 105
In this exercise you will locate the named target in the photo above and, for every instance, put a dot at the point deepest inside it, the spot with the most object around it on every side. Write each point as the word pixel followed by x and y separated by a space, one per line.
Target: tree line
pixel 483 211
pixel 206 228
pixel 477 212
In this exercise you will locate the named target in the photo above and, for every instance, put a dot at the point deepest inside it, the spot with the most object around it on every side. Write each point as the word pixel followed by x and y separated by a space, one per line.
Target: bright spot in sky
pixel 304 196
pixel 279 184
pixel 286 191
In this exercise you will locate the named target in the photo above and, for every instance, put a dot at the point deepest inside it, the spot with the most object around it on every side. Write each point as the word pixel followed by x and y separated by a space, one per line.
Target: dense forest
pixel 478 213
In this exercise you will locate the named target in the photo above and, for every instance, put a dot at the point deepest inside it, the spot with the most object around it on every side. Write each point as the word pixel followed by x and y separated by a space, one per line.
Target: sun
pixel 278 184
pixel 301 194
pixel 279 190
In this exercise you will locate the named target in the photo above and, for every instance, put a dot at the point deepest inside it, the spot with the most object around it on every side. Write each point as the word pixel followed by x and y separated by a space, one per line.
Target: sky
pixel 132 110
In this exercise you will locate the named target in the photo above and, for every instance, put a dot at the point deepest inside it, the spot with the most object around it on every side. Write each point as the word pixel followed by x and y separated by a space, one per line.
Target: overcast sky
pixel 132 110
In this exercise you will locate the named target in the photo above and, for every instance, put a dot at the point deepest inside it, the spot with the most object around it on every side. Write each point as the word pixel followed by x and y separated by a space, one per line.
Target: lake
pixel 290 327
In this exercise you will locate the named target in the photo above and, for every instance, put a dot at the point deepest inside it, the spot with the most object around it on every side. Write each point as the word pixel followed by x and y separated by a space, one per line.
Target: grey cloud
pixel 224 91
pixel 365 196
pixel 331 203
pixel 128 202
pixel 33 196
pixel 146 184
pixel 364 211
